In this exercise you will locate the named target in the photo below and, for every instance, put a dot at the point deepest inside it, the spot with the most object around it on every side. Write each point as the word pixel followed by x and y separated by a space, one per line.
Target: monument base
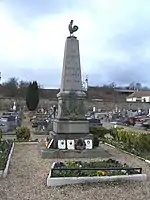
pixel 71 128
pixel 69 134
pixel 72 154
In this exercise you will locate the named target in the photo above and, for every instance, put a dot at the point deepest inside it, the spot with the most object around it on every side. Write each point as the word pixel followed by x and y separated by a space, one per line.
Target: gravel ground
pixel 28 172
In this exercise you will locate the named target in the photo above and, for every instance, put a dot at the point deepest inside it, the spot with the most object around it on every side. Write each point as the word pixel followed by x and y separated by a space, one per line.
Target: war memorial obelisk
pixel 70 123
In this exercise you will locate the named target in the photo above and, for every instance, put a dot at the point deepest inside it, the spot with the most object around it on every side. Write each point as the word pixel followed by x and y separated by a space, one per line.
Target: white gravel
pixel 28 171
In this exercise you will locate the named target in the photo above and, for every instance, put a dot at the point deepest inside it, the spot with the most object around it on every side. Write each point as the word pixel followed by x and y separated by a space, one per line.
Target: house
pixel 139 96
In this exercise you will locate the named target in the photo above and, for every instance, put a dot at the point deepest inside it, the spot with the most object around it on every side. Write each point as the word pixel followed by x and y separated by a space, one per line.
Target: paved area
pixel 28 171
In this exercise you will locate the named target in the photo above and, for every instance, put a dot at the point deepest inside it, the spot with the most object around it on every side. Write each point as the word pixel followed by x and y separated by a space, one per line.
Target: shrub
pixel 98 131
pixel 139 142
pixel 32 96
pixel 1 134
pixel 23 133
pixel 95 141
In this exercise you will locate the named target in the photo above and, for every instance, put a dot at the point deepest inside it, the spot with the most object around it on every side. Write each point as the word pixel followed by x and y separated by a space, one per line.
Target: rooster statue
pixel 72 28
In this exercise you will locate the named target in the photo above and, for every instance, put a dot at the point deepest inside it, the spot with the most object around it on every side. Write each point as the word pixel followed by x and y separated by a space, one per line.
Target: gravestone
pixel 70 122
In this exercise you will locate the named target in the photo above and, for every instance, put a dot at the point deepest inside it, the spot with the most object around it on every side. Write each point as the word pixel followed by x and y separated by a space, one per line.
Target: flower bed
pixel 78 172
pixel 102 168
pixel 5 149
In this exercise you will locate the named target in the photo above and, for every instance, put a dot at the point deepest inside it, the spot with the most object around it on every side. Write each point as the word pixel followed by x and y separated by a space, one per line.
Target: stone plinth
pixel 73 127
pixel 64 154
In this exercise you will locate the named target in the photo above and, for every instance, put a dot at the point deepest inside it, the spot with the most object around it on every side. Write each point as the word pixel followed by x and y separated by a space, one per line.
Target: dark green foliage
pixel 32 96
pixel 1 134
pixel 98 131
pixel 5 147
pixel 23 133
pixel 134 142
pixel 95 141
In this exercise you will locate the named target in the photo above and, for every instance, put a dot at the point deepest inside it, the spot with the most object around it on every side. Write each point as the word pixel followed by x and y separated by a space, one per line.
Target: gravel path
pixel 28 172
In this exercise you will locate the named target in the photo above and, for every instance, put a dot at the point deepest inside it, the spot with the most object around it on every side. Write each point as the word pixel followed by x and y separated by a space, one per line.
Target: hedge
pixel 98 131
pixel 98 134
pixel 135 142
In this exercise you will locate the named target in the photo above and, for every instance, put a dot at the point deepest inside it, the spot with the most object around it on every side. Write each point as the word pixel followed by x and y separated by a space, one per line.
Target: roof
pixel 124 90
pixel 139 94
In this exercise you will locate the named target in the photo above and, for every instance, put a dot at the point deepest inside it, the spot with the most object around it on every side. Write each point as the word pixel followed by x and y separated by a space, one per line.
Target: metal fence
pixel 138 170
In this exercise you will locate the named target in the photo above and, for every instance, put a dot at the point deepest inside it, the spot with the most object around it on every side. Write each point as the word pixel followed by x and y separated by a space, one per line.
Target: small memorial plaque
pixel 70 144
pixel 89 144
pixel 61 144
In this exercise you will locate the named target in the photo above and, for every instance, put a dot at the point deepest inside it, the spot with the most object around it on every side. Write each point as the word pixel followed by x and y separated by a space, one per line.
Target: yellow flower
pixel 101 172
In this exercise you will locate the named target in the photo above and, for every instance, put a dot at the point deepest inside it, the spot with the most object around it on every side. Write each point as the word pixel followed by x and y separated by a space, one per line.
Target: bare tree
pixel 23 85
pixel 11 87
pixel 132 86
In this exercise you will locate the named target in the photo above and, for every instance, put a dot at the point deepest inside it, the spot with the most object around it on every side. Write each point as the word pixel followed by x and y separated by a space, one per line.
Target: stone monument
pixel 70 123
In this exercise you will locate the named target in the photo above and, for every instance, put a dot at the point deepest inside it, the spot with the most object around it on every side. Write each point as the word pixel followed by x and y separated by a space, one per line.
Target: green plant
pixel 23 133
pixel 94 168
pixel 135 142
pixel 1 134
pixel 1 160
pixel 98 131
pixel 95 141
pixel 32 96
pixel 5 147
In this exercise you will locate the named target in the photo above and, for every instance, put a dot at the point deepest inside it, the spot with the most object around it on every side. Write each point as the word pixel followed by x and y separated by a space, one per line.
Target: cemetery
pixel 10 120
pixel 41 124
pixel 75 149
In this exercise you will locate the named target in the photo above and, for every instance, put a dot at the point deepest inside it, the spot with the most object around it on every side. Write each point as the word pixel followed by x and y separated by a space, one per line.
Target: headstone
pixel 70 122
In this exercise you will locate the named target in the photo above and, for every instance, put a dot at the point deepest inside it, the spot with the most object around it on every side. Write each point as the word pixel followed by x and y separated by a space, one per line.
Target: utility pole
pixel 86 85
pixel 115 106
pixel 86 82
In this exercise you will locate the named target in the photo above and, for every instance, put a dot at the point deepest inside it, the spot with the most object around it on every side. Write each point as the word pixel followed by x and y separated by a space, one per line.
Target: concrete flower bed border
pixel 3 173
pixel 74 180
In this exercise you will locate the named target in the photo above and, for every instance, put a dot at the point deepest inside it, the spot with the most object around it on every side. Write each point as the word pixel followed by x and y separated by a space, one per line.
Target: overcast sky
pixel 114 38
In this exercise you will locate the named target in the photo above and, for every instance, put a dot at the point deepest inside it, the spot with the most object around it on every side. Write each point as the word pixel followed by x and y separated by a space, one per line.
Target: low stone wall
pixel 5 104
